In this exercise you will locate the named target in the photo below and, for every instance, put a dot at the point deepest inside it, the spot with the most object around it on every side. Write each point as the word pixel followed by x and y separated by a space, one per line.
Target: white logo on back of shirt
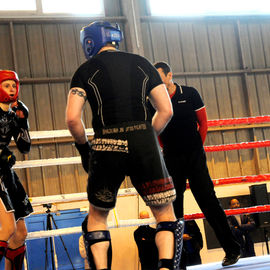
pixel 182 101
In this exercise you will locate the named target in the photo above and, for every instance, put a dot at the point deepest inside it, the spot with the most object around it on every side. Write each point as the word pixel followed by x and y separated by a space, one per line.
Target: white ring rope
pixel 78 229
pixel 51 161
pixel 75 197
pixel 47 134
pixel 80 197
pixel 46 162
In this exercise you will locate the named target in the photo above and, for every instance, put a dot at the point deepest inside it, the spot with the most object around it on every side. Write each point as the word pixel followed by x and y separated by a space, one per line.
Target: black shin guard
pixel 177 228
pixel 16 256
pixel 3 248
pixel 91 238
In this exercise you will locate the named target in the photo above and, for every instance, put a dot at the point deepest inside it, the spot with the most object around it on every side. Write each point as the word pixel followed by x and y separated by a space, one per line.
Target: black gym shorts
pixel 14 196
pixel 130 149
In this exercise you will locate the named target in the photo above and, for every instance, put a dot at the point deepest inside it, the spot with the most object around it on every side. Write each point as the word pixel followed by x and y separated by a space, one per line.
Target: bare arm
pixel 162 103
pixel 74 109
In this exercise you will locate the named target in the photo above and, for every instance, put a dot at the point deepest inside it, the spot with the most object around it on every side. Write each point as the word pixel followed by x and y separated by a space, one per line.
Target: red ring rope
pixel 240 179
pixel 236 146
pixel 238 211
pixel 235 121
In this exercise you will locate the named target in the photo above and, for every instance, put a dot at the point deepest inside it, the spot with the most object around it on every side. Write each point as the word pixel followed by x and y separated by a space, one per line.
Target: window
pixel 18 5
pixel 208 7
pixel 55 7
pixel 87 7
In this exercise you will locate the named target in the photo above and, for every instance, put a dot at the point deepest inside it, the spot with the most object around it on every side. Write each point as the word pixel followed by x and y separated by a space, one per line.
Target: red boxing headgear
pixel 4 76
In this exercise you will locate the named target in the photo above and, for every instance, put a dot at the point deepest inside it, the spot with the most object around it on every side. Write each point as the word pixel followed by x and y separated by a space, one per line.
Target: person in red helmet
pixel 14 203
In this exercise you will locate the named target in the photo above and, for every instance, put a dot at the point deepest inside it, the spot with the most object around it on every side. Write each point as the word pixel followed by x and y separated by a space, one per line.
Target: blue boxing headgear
pixel 96 35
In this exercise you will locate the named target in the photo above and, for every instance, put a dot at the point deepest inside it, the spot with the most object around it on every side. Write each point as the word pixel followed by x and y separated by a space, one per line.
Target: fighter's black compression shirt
pixel 9 127
pixel 117 84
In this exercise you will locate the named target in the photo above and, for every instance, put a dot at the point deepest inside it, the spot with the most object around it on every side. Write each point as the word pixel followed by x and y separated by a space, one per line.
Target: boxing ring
pixel 259 262
pixel 252 263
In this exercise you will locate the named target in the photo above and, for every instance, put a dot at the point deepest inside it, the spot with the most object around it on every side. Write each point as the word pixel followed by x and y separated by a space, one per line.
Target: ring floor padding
pixel 252 263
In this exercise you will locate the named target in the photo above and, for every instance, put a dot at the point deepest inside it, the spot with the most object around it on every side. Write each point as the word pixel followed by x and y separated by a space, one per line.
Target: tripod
pixel 49 222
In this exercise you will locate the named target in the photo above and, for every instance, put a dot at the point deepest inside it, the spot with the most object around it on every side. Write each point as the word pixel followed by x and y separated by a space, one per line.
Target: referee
pixel 182 141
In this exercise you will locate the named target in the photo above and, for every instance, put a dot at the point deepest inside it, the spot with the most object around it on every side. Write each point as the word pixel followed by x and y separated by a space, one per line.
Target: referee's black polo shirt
pixel 181 133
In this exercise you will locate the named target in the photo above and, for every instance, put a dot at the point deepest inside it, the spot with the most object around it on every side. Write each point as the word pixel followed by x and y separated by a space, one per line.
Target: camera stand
pixel 49 226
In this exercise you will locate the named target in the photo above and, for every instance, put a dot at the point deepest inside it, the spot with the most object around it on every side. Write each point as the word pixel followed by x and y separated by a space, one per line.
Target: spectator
pixel 144 237
pixel 192 244
pixel 241 226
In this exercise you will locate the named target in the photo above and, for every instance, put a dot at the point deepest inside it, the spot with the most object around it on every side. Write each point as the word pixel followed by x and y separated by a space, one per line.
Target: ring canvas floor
pixel 252 263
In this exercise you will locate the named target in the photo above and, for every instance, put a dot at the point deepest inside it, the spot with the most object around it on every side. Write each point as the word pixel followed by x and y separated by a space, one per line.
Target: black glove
pixel 22 113
pixel 7 159
pixel 85 151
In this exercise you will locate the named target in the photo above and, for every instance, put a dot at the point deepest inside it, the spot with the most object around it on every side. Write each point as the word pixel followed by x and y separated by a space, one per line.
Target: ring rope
pixel 235 121
pixel 46 162
pixel 148 221
pixel 47 134
pixel 240 179
pixel 63 198
pixel 78 229
pixel 231 212
pixel 237 146
pixel 77 160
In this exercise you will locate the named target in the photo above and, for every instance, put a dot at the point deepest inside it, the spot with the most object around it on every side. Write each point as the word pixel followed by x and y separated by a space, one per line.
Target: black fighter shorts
pixel 132 150
pixel 13 195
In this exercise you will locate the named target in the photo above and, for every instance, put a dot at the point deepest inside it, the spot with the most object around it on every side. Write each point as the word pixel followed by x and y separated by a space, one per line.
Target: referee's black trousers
pixel 192 165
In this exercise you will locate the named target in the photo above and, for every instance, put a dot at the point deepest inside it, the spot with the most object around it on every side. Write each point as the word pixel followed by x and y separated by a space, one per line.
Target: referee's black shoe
pixel 230 259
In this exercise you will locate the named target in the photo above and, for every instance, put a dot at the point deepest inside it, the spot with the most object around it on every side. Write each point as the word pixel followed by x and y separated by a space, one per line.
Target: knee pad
pixel 93 237
pixel 3 248
pixel 177 228
pixel 16 256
